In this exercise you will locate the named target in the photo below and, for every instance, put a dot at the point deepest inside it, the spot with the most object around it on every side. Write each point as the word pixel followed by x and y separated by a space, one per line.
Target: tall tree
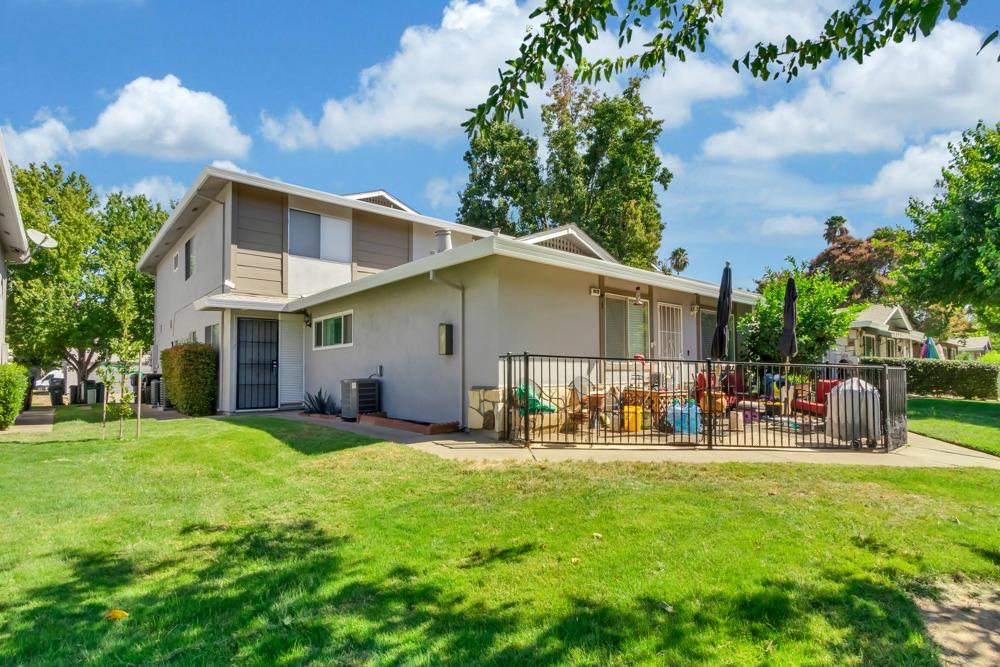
pixel 671 29
pixel 600 171
pixel 954 258
pixel 821 317
pixel 864 264
pixel 59 301
pixel 678 260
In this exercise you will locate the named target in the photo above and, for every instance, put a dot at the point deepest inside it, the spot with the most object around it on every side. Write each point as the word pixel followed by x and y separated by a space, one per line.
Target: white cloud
pixel 902 92
pixel 671 161
pixel 291 132
pixel 156 118
pixel 912 175
pixel 41 143
pixel 791 225
pixel 162 189
pixel 746 22
pixel 673 94
pixel 443 192
pixel 161 118
pixel 423 90
pixel 229 165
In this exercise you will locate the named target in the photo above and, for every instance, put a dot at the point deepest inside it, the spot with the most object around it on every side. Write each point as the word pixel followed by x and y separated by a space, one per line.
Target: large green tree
pixel 61 303
pixel 600 171
pixel 864 263
pixel 671 29
pixel 821 316
pixel 954 257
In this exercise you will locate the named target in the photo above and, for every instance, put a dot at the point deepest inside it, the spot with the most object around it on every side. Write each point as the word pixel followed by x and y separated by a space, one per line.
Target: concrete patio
pixel 920 452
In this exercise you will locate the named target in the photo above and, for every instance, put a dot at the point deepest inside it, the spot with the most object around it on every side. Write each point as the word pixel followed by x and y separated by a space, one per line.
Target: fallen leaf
pixel 597 536
pixel 574 560
pixel 116 615
pixel 665 607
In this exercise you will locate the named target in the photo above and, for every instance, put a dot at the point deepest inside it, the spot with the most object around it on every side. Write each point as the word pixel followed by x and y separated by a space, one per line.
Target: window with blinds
pixel 708 323
pixel 626 327
pixel 670 331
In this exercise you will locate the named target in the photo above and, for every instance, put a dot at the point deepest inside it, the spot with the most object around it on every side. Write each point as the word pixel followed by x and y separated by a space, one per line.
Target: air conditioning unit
pixel 359 396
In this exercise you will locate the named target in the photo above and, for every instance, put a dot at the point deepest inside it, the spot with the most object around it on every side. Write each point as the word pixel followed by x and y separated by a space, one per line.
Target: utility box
pixel 359 396
pixel 445 339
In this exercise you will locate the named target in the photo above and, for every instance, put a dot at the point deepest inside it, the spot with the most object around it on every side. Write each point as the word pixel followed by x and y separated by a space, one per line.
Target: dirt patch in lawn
pixel 964 621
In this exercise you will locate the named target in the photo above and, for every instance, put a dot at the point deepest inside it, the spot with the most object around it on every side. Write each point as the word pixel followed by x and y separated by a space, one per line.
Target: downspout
pixel 461 342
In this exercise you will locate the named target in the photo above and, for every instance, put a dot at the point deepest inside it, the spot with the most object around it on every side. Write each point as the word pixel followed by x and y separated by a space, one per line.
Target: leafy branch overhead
pixel 669 30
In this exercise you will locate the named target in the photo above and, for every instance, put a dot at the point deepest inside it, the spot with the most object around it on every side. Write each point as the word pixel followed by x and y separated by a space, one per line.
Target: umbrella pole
pixel 787 402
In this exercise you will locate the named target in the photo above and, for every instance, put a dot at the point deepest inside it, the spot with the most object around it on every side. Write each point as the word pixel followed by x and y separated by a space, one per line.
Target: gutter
pixel 461 343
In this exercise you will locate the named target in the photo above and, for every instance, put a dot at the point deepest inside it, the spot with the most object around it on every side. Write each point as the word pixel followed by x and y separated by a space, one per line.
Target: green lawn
pixel 974 424
pixel 262 541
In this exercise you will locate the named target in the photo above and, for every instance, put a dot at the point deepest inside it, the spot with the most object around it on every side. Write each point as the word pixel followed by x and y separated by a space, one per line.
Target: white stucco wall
pixel 307 275
pixel 175 316
pixel 397 326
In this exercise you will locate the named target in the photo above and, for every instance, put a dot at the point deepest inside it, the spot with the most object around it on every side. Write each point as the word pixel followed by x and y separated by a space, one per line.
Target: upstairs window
pixel 333 331
pixel 318 236
pixel 189 258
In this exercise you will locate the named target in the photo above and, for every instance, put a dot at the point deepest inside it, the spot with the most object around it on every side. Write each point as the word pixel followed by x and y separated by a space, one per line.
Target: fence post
pixel 527 400
pixel 885 407
pixel 707 414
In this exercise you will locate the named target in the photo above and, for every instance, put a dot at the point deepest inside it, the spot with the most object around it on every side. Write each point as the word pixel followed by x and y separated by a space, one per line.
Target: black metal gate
pixel 256 364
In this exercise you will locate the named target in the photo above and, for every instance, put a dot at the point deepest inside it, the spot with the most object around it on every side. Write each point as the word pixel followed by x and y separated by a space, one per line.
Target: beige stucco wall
pixel 175 316
pixel 397 326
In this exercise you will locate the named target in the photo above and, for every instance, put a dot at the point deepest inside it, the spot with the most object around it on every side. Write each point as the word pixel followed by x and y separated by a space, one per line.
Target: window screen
pixel 303 233
pixel 189 258
pixel 626 327
pixel 336 330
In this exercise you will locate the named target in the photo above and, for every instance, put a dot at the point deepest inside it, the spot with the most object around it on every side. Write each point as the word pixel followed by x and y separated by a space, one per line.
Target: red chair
pixel 817 407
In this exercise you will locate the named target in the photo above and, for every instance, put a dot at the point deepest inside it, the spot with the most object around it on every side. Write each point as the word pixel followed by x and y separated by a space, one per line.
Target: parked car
pixel 49 378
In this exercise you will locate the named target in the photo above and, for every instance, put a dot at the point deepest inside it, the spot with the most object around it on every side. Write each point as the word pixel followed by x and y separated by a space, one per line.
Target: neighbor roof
pixel 517 249
pixel 211 180
pixel 878 316
pixel 973 343
pixel 12 232
pixel 382 198
pixel 569 230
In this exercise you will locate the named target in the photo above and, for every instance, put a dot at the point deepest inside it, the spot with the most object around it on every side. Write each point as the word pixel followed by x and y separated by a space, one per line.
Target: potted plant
pixel 800 384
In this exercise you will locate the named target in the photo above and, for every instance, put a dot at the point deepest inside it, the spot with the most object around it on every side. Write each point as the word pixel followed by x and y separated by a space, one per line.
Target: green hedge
pixel 932 377
pixel 190 378
pixel 13 387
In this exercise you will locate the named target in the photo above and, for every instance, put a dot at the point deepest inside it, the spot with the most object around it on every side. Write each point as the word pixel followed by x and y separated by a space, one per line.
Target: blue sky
pixel 353 96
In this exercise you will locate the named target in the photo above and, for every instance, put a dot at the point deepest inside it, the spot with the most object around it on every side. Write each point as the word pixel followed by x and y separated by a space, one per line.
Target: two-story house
pixel 299 289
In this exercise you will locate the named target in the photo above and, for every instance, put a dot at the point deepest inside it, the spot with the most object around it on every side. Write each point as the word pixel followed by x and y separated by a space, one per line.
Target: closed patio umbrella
pixel 788 344
pixel 720 340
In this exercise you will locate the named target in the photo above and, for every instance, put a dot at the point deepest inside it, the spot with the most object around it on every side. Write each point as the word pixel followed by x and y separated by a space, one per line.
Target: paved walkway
pixel 35 420
pixel 921 450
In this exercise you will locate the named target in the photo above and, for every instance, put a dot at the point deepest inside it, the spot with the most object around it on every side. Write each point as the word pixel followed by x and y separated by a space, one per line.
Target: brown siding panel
pixel 379 243
pixel 259 241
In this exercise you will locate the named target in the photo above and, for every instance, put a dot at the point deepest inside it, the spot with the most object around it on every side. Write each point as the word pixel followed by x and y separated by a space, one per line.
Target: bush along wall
pixel 936 377
pixel 13 387
pixel 190 378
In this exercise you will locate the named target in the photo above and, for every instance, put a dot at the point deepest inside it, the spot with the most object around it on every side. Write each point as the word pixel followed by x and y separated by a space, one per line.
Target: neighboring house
pixel 13 240
pixel 975 346
pixel 878 331
pixel 300 289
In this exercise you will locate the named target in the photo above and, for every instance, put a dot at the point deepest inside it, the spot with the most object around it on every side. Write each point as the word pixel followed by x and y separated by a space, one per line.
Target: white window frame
pixel 660 342
pixel 322 217
pixel 331 316
pixel 864 346
pixel 630 302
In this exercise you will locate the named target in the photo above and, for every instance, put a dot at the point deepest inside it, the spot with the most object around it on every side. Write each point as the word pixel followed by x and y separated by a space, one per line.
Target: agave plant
pixel 320 403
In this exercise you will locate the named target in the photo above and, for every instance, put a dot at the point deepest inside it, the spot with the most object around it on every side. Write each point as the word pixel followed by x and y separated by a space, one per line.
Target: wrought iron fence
pixel 569 400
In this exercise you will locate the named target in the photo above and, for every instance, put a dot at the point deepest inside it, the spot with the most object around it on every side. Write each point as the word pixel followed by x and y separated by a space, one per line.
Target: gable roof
pixel 382 198
pixel 973 343
pixel 516 249
pixel 573 235
pixel 212 179
pixel 13 236
pixel 879 316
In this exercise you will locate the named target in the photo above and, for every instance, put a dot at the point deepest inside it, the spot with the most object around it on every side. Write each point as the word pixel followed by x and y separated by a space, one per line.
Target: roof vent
pixel 444 239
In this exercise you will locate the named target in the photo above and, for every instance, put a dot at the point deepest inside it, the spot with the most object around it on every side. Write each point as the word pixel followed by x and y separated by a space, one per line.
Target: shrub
pixel 190 378
pixel 13 387
pixel 968 379
pixel 991 357
pixel 320 403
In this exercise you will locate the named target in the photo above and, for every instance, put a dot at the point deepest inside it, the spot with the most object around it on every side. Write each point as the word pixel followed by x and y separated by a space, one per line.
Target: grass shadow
pixel 309 439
